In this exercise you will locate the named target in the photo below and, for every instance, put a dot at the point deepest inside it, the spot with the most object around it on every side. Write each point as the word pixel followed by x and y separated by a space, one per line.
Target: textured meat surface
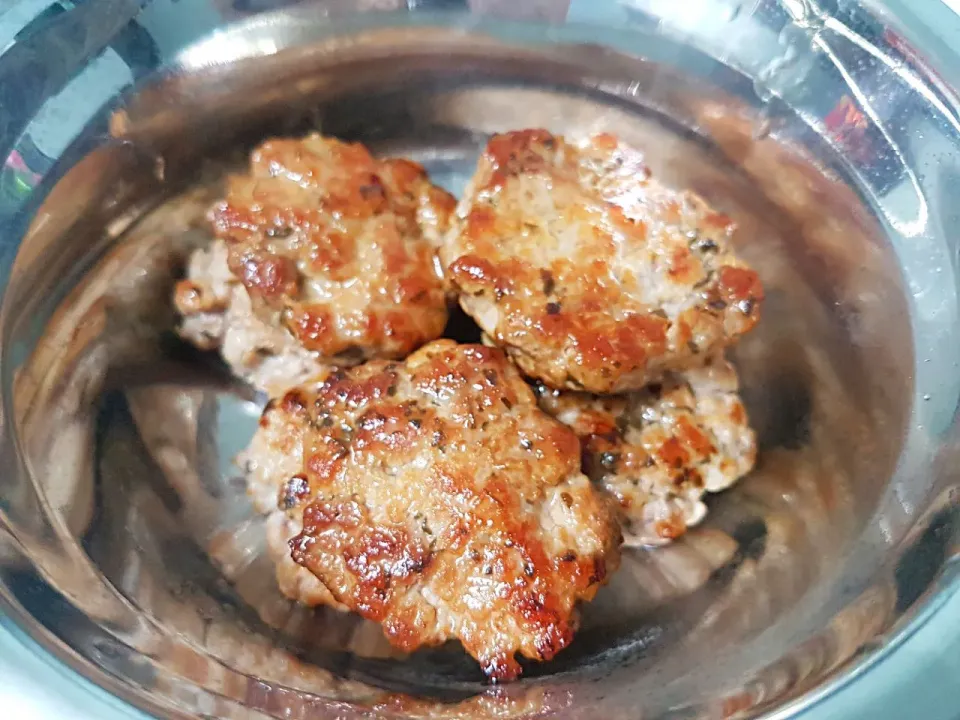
pixel 437 499
pixel 338 247
pixel 324 255
pixel 658 450
pixel 217 314
pixel 271 462
pixel 592 275
pixel 294 581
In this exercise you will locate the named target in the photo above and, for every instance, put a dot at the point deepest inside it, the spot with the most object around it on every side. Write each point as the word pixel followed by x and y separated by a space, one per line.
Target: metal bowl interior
pixel 127 542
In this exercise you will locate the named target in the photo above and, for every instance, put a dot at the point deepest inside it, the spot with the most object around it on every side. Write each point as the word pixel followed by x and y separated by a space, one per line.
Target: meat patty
pixel 658 450
pixel 589 273
pixel 335 247
pixel 437 499
pixel 217 314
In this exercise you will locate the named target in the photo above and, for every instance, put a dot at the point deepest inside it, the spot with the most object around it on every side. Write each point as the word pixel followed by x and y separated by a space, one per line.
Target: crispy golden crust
pixel 338 247
pixel 658 450
pixel 438 500
pixel 589 273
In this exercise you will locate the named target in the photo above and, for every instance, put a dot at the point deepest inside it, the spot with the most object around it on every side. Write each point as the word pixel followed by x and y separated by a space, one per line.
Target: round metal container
pixel 127 544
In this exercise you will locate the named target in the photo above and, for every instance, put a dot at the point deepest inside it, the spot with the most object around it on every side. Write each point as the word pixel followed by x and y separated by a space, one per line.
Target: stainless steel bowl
pixel 127 544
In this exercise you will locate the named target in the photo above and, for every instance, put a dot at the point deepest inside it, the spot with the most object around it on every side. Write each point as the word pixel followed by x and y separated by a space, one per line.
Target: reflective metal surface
pixel 127 544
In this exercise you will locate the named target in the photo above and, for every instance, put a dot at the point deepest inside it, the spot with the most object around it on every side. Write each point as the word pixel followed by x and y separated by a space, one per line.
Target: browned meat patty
pixel 333 246
pixel 435 497
pixel 589 273
pixel 658 450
